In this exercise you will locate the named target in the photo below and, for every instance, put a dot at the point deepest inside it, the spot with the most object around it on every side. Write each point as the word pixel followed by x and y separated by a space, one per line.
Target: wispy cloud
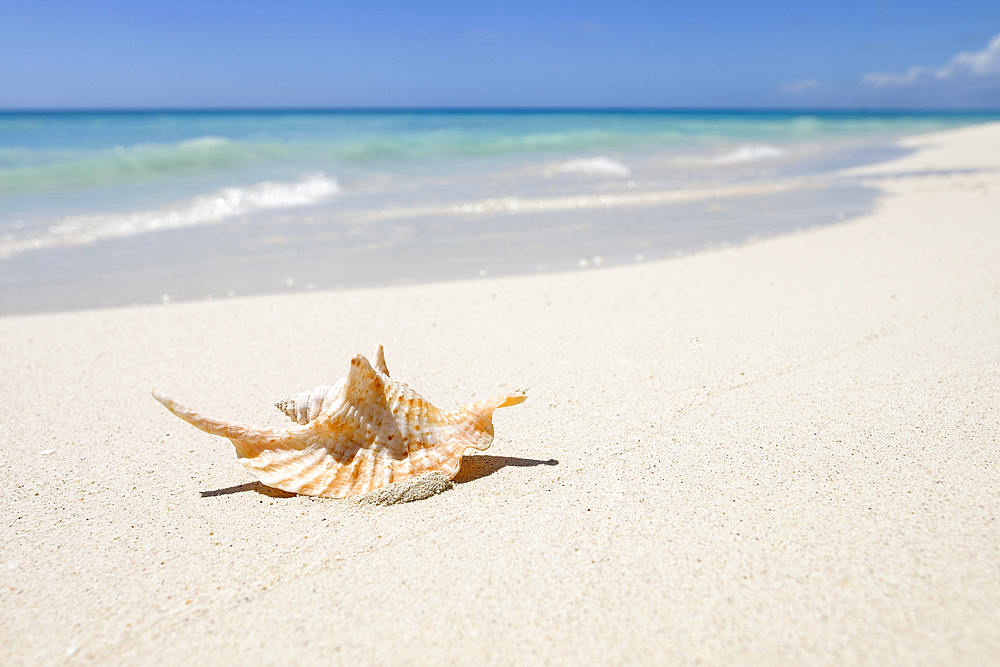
pixel 799 86
pixel 985 63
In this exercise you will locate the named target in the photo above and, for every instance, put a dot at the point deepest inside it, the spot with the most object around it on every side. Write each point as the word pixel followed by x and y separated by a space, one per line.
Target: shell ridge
pixel 417 444
pixel 354 472
pixel 289 476
pixel 402 466
pixel 368 469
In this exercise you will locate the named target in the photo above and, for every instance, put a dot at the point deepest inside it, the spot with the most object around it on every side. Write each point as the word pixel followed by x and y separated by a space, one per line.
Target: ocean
pixel 115 208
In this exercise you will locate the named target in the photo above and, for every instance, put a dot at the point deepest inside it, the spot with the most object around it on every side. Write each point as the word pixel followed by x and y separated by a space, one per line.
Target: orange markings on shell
pixel 363 433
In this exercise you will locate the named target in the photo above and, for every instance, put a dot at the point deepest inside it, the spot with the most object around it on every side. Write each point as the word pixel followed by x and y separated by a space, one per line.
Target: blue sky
pixel 299 53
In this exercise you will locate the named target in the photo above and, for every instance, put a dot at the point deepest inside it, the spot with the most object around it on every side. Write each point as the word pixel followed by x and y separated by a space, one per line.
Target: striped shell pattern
pixel 361 434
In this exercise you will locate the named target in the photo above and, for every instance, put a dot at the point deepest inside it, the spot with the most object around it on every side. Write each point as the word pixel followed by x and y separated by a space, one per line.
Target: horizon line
pixel 861 110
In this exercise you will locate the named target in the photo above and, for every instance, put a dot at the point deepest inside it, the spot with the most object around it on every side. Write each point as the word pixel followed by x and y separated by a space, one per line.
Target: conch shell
pixel 363 433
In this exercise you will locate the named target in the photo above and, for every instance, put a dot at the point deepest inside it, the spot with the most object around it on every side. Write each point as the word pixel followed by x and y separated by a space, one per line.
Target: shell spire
pixel 363 433
pixel 305 407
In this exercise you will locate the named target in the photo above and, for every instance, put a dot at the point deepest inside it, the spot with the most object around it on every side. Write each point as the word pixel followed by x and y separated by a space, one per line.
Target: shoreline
pixel 782 452
pixel 512 243
pixel 248 230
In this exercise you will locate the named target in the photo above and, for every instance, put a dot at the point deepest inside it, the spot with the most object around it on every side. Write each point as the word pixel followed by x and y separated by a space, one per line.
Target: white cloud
pixel 799 86
pixel 967 63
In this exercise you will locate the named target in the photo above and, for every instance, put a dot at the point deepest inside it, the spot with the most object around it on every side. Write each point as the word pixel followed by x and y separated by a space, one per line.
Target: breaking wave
pixel 595 166
pixel 749 153
pixel 201 210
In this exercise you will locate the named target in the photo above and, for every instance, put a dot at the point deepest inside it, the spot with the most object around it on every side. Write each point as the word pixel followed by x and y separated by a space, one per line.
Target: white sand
pixel 785 453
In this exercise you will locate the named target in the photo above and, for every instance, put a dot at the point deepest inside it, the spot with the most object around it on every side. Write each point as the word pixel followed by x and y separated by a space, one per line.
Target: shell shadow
pixel 473 468
pixel 249 486
pixel 482 465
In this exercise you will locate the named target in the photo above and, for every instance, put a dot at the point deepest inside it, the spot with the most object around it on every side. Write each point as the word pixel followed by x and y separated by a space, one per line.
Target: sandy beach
pixel 783 453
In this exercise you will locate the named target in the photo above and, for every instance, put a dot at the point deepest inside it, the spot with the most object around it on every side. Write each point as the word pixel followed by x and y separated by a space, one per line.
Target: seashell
pixel 365 432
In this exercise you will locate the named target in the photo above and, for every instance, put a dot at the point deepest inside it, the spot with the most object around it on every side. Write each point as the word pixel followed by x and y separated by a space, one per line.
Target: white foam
pixel 525 205
pixel 749 153
pixel 204 209
pixel 596 166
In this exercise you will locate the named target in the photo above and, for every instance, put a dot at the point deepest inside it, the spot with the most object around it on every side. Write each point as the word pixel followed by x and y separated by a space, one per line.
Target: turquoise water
pixel 112 208
pixel 56 152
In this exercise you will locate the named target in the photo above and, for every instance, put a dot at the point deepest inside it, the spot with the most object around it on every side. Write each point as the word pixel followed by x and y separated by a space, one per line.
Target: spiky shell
pixel 368 431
